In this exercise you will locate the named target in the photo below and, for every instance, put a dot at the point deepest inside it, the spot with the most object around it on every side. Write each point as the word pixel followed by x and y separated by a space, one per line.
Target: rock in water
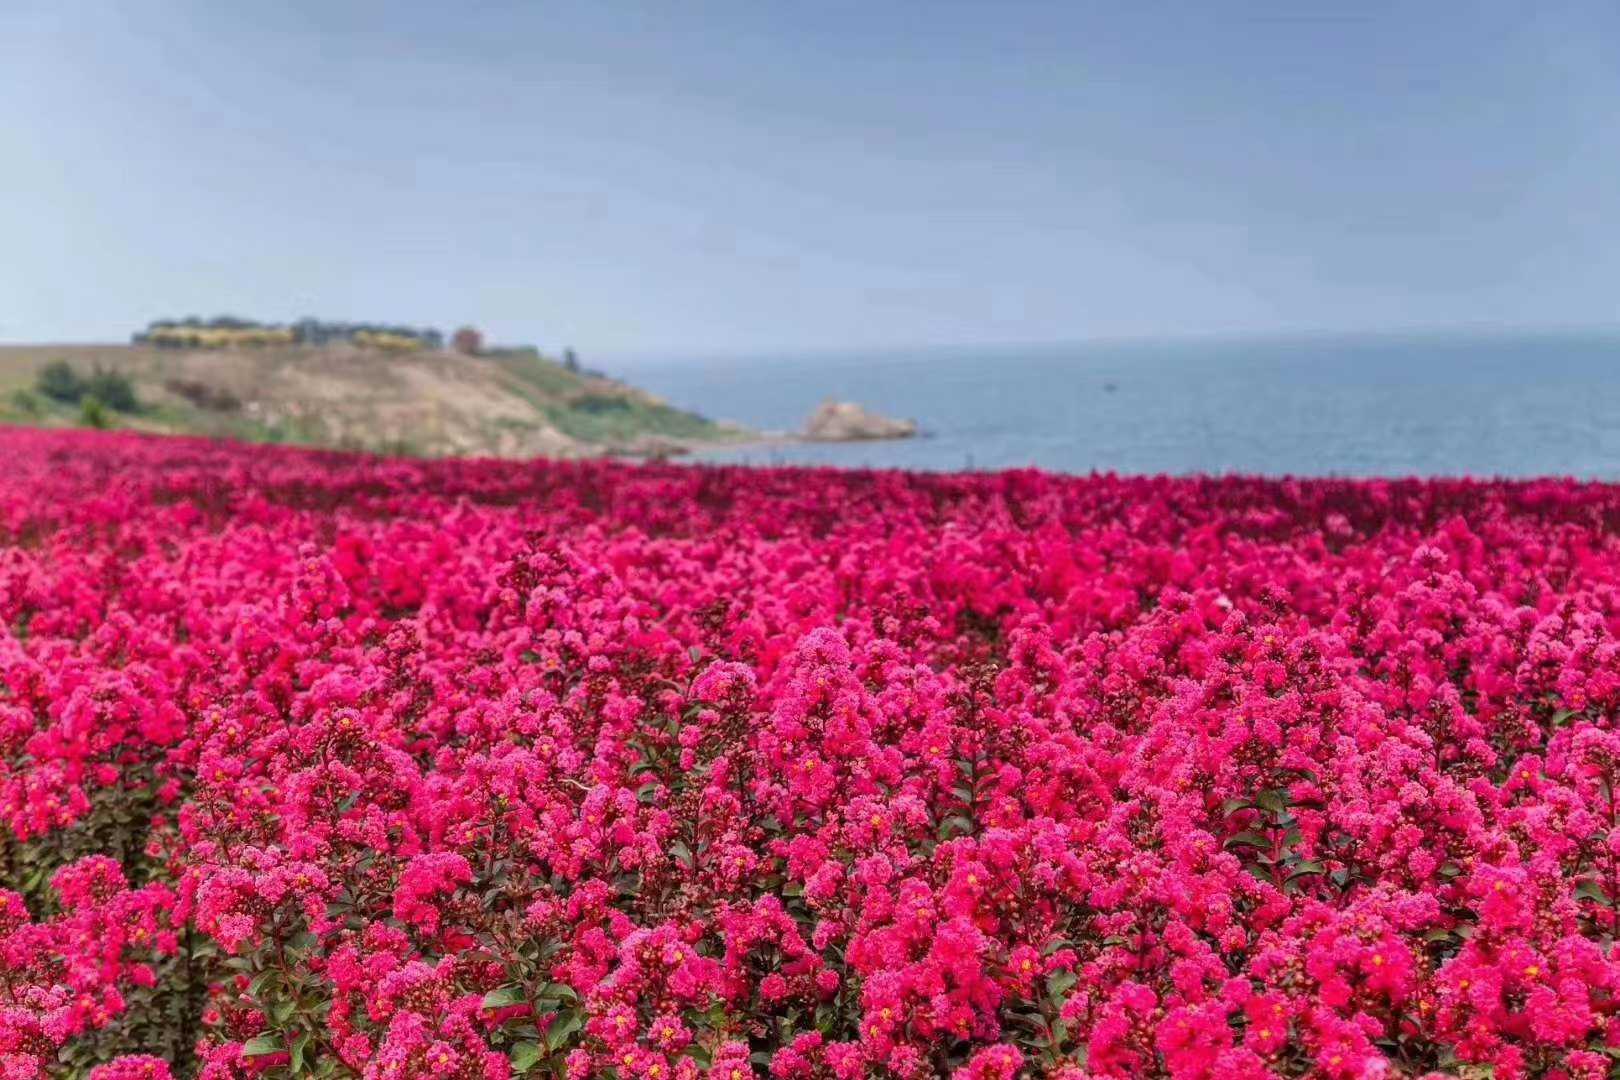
pixel 845 421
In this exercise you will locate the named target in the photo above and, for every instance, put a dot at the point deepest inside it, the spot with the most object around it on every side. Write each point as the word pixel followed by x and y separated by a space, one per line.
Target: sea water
pixel 1349 406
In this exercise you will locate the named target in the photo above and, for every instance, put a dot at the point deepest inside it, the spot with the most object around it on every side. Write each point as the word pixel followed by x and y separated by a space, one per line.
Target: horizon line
pixel 1460 331
pixel 1481 330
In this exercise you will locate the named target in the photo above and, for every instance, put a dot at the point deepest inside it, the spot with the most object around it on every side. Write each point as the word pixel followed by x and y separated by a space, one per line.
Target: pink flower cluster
pixel 477 769
pixel 62 977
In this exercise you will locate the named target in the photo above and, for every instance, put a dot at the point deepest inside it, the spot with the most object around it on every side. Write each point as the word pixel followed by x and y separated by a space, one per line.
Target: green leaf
pixel 1248 838
pixel 525 1055
pixel 1060 982
pixel 298 1052
pixel 563 1028
pixel 1591 890
pixel 260 1045
pixel 503 996
pixel 559 992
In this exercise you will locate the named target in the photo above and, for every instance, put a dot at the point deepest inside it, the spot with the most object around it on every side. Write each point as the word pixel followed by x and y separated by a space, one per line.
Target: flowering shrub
pixel 333 766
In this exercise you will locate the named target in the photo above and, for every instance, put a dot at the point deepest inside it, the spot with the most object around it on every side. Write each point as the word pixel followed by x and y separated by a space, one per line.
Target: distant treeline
pixel 226 331
pixel 229 331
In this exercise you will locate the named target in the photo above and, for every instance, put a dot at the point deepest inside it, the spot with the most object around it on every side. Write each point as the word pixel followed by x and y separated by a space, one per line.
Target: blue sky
pixel 763 174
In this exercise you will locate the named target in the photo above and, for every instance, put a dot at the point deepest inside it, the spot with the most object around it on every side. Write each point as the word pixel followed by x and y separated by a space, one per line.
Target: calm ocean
pixel 1509 406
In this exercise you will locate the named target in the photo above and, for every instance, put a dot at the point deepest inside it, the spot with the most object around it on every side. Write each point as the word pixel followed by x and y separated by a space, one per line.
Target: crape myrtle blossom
pixel 315 764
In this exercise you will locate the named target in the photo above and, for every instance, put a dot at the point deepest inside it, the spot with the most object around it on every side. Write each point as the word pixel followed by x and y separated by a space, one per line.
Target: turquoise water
pixel 1520 406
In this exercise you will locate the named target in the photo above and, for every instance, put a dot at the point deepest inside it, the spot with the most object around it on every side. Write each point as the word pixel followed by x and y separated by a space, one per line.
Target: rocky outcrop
pixel 845 421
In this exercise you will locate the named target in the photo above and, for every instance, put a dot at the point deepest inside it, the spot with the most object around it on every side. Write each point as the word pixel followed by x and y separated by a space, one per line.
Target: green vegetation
pixel 186 416
pixel 92 413
pixel 59 382
pixel 232 332
pixel 97 396
pixel 617 419
pixel 26 402
pixel 111 389
pixel 599 410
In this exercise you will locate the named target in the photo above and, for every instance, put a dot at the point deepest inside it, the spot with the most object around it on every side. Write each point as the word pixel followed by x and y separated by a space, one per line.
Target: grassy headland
pixel 511 403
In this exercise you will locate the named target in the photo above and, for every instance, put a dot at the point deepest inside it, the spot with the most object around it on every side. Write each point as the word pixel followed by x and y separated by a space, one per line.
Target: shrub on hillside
pixel 58 381
pixel 599 404
pixel 92 412
pixel 113 388
pixel 26 402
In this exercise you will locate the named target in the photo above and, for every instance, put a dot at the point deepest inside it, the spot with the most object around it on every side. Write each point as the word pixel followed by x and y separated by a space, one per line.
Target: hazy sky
pixel 810 173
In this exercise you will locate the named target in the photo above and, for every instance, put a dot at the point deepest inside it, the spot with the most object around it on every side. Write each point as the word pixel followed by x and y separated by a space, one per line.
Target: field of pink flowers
pixel 330 766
